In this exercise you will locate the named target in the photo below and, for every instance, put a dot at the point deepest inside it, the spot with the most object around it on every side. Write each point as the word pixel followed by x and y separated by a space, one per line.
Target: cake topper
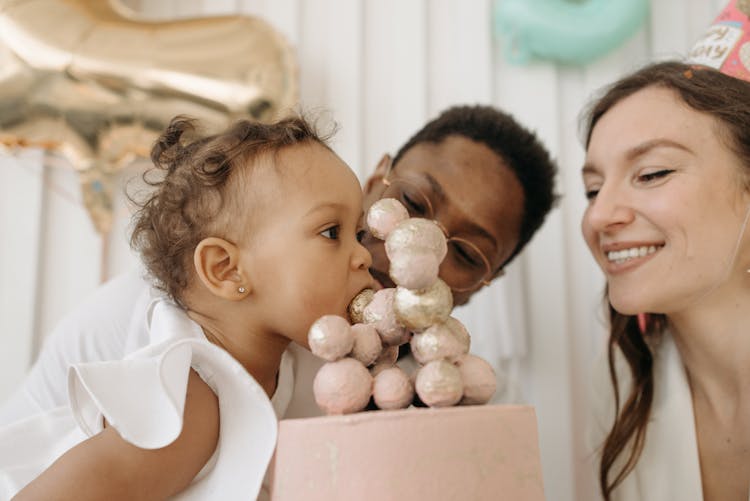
pixel 361 358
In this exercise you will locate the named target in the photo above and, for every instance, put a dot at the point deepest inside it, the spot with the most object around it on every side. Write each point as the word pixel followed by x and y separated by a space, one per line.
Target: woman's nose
pixel 609 209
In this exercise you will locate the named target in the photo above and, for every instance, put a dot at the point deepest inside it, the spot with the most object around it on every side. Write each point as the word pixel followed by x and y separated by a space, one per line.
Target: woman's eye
pixel 331 233
pixel 361 235
pixel 591 194
pixel 650 176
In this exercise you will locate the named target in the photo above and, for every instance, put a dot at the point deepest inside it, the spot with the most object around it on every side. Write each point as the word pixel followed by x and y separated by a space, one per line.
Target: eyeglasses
pixel 465 267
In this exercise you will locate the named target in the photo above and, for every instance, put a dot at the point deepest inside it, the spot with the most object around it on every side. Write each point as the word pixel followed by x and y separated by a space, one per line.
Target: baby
pixel 252 234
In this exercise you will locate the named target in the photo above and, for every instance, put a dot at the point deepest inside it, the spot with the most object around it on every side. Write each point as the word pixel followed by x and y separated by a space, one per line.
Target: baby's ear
pixel 217 266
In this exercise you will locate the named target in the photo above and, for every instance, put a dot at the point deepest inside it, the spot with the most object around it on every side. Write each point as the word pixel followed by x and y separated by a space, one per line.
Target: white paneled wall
pixel 381 69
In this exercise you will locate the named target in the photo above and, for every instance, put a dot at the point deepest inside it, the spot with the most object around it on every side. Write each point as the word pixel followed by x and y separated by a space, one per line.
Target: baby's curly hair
pixel 197 191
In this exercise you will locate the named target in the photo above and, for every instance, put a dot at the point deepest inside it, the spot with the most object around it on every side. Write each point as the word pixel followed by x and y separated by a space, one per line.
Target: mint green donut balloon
pixel 566 31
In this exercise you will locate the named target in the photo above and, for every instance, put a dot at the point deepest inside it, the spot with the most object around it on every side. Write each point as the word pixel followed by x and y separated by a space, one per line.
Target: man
pixel 484 178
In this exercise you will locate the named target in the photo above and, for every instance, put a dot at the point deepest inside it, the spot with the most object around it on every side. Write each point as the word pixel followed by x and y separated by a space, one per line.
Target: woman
pixel 667 175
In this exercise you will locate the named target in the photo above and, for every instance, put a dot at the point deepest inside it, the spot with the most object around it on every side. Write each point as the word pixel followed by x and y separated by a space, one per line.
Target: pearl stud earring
pixel 241 290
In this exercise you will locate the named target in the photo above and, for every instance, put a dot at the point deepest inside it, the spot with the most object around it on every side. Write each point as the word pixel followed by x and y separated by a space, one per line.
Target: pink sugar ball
pixel 416 235
pixel 367 344
pixel 377 368
pixel 330 337
pixel 384 215
pixel 438 341
pixel 439 384
pixel 479 380
pixel 380 314
pixel 392 389
pixel 389 355
pixel 342 387
pixel 460 331
pixel 414 271
pixel 385 360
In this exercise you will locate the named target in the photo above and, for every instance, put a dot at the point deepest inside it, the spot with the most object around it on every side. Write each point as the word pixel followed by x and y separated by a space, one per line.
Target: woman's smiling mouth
pixel 624 255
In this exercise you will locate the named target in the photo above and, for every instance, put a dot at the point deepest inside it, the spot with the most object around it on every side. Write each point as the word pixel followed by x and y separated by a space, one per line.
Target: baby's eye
pixel 361 235
pixel 650 176
pixel 331 233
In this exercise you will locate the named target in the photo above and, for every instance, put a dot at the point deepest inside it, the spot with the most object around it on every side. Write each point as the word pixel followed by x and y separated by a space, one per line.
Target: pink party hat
pixel 726 44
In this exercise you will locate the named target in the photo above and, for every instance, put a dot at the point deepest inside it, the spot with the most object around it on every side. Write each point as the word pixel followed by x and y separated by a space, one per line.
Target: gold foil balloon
pixel 90 81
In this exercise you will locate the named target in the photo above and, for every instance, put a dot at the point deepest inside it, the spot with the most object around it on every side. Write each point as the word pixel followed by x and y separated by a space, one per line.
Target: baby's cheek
pixel 323 299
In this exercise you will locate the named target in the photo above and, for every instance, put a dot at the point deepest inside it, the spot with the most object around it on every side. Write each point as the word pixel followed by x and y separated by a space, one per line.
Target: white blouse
pixel 669 466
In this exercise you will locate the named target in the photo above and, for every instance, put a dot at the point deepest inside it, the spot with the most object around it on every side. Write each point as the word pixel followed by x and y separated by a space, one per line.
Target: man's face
pixel 472 194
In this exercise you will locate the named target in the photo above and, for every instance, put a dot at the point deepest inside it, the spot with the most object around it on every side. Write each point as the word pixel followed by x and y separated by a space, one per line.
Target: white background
pixel 382 69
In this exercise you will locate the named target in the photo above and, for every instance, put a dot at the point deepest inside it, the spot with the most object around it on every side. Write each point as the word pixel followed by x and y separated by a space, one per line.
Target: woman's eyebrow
pixel 588 168
pixel 647 146
pixel 640 150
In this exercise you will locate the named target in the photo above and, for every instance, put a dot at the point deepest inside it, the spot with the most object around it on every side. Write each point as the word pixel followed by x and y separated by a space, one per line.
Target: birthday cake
pixel 473 453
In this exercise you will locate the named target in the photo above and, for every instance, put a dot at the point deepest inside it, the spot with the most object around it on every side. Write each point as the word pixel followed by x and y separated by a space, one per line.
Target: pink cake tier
pixel 475 453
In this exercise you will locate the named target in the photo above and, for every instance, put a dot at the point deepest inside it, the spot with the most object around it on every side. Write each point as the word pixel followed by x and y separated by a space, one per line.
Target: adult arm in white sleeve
pixel 106 326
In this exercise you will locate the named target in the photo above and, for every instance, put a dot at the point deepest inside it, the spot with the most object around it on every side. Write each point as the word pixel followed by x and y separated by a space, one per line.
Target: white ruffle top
pixel 143 398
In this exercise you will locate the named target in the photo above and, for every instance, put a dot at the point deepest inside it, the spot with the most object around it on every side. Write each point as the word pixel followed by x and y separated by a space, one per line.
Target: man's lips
pixel 382 278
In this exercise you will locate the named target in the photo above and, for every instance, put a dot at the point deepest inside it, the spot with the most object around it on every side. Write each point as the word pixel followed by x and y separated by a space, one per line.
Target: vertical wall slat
pixel 21 203
pixel 530 94
pixel 395 79
pixel 331 69
pixel 71 262
pixel 459 53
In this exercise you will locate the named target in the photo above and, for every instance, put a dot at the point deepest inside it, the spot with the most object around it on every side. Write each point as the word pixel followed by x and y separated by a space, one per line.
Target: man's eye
pixel 331 233
pixel 467 255
pixel 413 205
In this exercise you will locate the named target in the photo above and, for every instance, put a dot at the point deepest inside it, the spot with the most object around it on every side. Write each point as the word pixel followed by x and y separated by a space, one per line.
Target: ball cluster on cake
pixel 361 357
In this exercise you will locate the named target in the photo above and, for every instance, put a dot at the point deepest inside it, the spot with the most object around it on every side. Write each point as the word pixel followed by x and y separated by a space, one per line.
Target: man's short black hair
pixel 516 146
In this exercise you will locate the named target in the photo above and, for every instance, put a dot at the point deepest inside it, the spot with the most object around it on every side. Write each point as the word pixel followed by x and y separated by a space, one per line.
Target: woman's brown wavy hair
pixel 727 100
pixel 195 194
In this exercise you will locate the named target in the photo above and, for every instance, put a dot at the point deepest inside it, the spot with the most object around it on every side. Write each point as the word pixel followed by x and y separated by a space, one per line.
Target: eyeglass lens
pixel 465 266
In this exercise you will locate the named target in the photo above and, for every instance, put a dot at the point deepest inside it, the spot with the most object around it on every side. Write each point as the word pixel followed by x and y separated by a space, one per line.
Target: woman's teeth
pixel 621 256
